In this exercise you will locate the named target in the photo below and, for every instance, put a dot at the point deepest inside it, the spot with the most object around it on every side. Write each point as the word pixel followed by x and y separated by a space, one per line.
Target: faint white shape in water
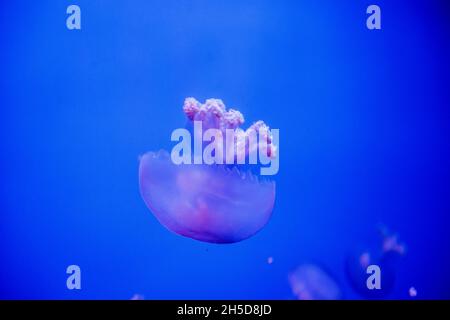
pixel 137 296
pixel 412 292
pixel 310 282
pixel 270 260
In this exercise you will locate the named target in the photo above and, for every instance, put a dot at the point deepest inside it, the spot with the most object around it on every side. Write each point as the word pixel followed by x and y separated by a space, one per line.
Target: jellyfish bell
pixel 218 203
pixel 206 203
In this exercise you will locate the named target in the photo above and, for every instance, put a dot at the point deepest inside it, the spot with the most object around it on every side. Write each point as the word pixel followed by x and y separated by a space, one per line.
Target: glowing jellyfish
pixel 310 282
pixel 412 292
pixel 386 255
pixel 219 203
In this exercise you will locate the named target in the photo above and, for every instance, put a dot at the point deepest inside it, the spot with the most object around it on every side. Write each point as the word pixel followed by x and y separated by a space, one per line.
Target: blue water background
pixel 364 139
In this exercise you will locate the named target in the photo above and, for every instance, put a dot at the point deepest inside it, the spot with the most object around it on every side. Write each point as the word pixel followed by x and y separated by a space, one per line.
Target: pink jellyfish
pixel 310 282
pixel 386 255
pixel 220 202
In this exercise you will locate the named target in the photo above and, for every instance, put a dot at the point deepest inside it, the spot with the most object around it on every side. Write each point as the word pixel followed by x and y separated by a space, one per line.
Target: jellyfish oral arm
pixel 230 146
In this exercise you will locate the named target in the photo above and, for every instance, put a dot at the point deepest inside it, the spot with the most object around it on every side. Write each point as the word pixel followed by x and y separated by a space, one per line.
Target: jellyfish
pixel 311 282
pixel 223 202
pixel 386 255
pixel 412 292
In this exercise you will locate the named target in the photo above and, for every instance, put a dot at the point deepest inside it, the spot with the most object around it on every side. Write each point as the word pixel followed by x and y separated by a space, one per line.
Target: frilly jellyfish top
pixel 211 203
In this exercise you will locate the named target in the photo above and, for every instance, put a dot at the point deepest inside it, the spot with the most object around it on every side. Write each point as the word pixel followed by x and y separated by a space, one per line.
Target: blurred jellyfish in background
pixel 412 292
pixel 137 296
pixel 310 282
pixel 386 255
pixel 221 202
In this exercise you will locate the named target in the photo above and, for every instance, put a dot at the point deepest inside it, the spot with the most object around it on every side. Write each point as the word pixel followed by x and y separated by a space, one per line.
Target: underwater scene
pixel 254 149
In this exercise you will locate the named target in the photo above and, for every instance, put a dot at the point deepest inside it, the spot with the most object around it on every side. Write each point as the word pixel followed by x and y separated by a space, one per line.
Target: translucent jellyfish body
pixel 385 255
pixel 218 203
pixel 311 282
